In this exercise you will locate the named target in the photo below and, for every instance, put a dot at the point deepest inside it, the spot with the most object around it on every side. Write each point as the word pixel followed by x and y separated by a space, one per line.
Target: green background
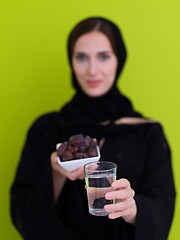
pixel 35 77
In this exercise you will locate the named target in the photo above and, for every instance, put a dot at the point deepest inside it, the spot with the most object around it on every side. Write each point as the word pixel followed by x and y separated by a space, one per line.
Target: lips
pixel 93 83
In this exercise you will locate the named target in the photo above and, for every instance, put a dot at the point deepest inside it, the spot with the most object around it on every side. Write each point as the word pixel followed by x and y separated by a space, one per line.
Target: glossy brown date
pixel 77 147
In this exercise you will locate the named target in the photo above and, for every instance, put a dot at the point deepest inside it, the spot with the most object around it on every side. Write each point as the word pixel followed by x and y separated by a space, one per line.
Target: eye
pixel 80 58
pixel 104 57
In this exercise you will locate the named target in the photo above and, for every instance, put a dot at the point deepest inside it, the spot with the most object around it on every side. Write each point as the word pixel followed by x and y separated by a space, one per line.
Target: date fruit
pixel 77 147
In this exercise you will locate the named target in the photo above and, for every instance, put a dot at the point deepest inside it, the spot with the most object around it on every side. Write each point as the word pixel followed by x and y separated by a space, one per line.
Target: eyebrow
pixel 99 53
pixel 105 52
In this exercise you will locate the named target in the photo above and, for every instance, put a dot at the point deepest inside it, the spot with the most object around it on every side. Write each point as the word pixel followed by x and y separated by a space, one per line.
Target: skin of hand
pixel 72 175
pixel 125 205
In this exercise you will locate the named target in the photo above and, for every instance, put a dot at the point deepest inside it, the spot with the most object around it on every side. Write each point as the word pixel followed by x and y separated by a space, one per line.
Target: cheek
pixel 110 70
pixel 79 70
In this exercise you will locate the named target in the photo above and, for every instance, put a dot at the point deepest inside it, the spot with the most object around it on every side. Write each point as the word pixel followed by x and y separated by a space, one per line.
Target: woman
pixel 48 202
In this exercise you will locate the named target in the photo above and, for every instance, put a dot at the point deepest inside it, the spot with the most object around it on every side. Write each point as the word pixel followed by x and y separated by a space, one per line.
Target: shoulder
pixel 43 123
pixel 154 135
pixel 44 119
pixel 151 124
pixel 147 128
pixel 151 133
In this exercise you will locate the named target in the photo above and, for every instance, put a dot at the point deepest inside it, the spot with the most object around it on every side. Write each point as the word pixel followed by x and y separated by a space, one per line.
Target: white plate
pixel 72 165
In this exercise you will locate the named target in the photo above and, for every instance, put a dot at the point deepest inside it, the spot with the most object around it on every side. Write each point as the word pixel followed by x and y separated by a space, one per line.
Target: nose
pixel 92 68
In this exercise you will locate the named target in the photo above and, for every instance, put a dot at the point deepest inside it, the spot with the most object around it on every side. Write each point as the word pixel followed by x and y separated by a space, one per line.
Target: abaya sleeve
pixel 155 198
pixel 32 206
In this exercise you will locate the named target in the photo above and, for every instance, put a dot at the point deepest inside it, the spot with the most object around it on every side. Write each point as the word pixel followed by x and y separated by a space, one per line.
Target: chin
pixel 95 94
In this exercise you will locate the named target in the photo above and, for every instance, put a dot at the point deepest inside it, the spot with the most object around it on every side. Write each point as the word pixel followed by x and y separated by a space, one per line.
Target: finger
pixel 92 167
pixel 121 183
pixel 56 166
pixel 54 157
pixel 73 175
pixel 81 176
pixel 129 214
pixel 114 215
pixel 124 213
pixel 120 194
pixel 120 206
pixel 54 163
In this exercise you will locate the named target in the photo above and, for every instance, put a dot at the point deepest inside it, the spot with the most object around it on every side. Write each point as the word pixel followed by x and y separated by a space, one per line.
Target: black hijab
pixel 83 114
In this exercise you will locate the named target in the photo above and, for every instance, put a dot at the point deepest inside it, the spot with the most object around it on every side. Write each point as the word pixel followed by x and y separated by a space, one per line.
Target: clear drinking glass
pixel 99 177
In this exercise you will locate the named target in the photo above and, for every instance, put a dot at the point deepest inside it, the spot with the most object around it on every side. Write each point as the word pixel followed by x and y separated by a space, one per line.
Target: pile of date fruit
pixel 77 146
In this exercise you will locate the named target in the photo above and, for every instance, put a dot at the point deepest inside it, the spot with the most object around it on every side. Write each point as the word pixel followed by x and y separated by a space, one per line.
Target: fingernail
pixel 108 196
pixel 106 208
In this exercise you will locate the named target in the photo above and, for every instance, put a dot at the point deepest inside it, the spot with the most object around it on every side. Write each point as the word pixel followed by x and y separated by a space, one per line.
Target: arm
pixel 60 175
pixel 33 209
pixel 151 208
pixel 155 198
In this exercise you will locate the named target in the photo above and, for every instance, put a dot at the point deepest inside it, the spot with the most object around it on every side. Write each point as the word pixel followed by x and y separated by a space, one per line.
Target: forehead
pixel 93 41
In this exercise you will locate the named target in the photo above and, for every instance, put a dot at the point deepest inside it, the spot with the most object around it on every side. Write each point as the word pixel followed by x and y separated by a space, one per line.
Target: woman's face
pixel 94 63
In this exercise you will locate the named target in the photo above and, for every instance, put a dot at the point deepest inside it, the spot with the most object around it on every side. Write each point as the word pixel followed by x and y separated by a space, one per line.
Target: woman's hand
pixel 60 175
pixel 125 205
pixel 72 175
